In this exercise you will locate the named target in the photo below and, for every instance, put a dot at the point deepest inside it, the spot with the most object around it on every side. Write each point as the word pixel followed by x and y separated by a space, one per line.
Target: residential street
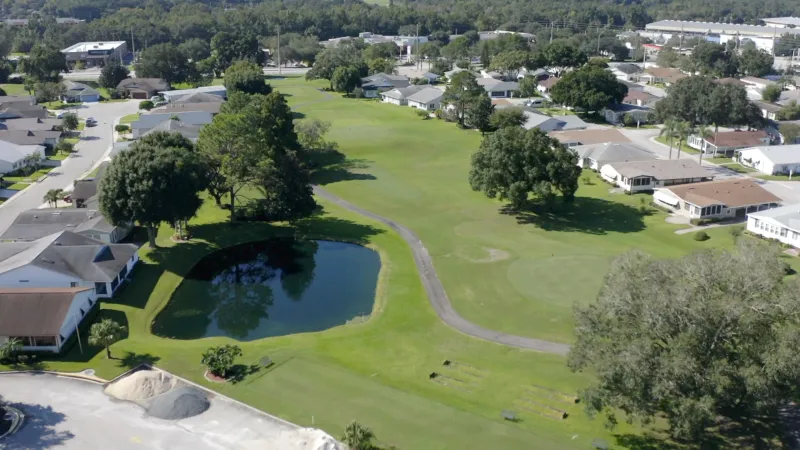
pixel 95 141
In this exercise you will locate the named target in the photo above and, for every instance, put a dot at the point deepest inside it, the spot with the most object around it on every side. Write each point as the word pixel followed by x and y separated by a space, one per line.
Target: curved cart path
pixel 436 293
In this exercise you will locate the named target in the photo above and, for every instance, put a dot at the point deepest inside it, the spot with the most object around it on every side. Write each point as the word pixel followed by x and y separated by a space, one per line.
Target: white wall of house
pixel 757 160
pixel 693 211
pixel 30 276
pixel 636 184
pixel 432 106
pixel 772 229
pixel 393 101
pixel 81 305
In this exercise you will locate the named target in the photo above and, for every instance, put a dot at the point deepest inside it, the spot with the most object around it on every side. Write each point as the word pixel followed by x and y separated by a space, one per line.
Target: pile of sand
pixel 142 385
pixel 179 403
pixel 313 439
pixel 295 439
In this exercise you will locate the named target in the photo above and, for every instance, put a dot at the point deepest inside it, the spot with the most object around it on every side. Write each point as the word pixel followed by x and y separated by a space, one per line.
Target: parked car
pixel 90 122
pixel 159 103
pixel 156 98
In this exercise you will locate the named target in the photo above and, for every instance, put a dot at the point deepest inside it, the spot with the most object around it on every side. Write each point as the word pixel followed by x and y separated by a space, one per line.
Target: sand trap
pixel 179 403
pixel 142 385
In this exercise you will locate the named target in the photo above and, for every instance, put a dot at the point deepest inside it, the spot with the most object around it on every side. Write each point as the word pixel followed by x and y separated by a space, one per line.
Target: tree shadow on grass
pixel 332 166
pixel 584 215
pixel 132 359
pixel 38 429
pixel 239 372
pixel 84 352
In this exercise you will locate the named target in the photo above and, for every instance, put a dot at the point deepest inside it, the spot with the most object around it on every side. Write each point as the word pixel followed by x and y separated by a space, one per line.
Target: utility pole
pixel 416 53
pixel 133 46
pixel 279 50
pixel 774 39
pixel 599 33
pixel 680 46
pixel 552 26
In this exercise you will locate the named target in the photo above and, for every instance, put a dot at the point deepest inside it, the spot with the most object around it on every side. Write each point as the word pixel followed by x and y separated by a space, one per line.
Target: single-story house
pixel 787 97
pixel 781 223
pixel 427 99
pixel 595 156
pixel 142 88
pixel 723 199
pixel 575 138
pixel 631 86
pixel 758 84
pixel 12 156
pixel 491 74
pixel 626 71
pixel 639 98
pixel 497 88
pixel 21 111
pixel 43 319
pixel 637 176
pixel 23 137
pixel 31 124
pixel 147 122
pixel 615 114
pixel 9 100
pixel 38 223
pixel 380 82
pixel 398 96
pixel 545 85
pixel 75 92
pixel 431 77
pixel 664 75
pixel 768 110
pixel 552 123
pixel 66 259
pixel 173 96
pixel 727 142
pixel 188 130
pixel 178 107
pixel 776 159
pixel 199 97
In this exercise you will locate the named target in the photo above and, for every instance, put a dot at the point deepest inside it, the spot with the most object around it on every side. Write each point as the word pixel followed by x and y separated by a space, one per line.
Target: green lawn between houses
pixel 517 274
pixel 13 88
pixel 684 148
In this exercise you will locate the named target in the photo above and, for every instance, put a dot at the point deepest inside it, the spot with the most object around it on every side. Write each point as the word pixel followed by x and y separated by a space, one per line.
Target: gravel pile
pixel 141 386
pixel 179 403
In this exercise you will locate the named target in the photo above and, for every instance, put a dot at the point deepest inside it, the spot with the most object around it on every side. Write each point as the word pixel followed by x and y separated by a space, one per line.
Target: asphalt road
pixel 94 143
pixel 436 293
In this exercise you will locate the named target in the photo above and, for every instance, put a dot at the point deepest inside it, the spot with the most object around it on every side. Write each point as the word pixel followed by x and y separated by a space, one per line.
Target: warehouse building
pixel 95 54
pixel 764 37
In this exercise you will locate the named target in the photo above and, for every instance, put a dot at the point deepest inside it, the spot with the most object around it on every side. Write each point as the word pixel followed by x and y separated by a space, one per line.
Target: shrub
pixel 736 231
pixel 121 128
pixel 422 113
pixel 586 180
pixel 701 236
pixel 358 93
pixel 628 120
pixel 219 360
pixel 146 105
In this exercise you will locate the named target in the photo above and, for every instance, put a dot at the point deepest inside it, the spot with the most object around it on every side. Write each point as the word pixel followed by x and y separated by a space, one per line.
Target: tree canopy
pixel 708 336
pixel 112 74
pixel 463 94
pixel 589 88
pixel 165 61
pixel 44 63
pixel 247 77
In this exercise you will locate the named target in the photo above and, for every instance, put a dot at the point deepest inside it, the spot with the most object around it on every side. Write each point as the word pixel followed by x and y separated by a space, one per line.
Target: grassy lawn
pixel 684 148
pixel 556 111
pixel 719 160
pixel 13 89
pixel 58 104
pixel 776 177
pixel 58 156
pixel 30 178
pixel 738 168
pixel 129 119
pixel 17 186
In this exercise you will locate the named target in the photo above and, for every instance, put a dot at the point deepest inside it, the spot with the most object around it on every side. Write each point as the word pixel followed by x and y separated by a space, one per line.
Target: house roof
pixel 548 83
pixel 211 107
pixel 661 169
pixel 788 96
pixel 766 106
pixel 733 193
pixel 587 137
pixel 627 107
pixel 667 73
pixel 30 124
pixel 75 88
pixel 492 84
pixel 199 97
pixel 11 152
pixel 68 253
pixel 777 154
pixel 187 130
pixel 788 216
pixel 756 80
pixel 384 80
pixel 23 99
pixel 428 95
pixel 613 152
pixel 21 110
pixel 148 121
pixel 738 138
pixel 213 90
pixel 430 76
pixel 402 93
pixel 38 223
pixel 534 120
pixel 628 68
pixel 24 137
pixel 145 84
pixel 35 311
pixel 85 47
pixel 633 96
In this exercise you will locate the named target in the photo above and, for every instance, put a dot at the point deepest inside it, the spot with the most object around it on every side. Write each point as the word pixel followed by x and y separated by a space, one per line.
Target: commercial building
pixel 95 54
pixel 764 37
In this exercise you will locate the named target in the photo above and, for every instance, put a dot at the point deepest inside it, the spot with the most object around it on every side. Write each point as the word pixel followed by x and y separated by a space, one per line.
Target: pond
pixel 272 288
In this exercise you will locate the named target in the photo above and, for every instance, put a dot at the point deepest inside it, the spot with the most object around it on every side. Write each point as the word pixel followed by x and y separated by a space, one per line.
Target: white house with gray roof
pixel 595 156
pixel 66 259
pixel 498 88
pixel 781 223
pixel 37 223
pixel 148 122
pixel 398 96
pixel 429 99
pixel 638 176
pixel 772 160
pixel 12 156
pixel 552 123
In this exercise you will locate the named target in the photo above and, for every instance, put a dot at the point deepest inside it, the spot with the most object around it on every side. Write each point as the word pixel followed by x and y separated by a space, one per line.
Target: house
pixel 626 71
pixel 727 142
pixel 198 97
pixel 615 114
pixel 21 111
pixel 498 88
pixel 75 92
pixel 25 100
pixel 637 176
pixel 768 110
pixel 95 54
pixel 724 199
pixel 147 122
pixel 380 82
pixel 575 138
pixel 450 73
pixel 31 124
pixel 491 74
pixel 142 88
pixel 595 156
pixel 639 98
pixel 64 260
pixel 552 123
pixel 545 85
pixel 188 130
pixel 37 223
pixel 431 77
pixel 776 159
pixel 782 223
pixel 21 137
pixel 664 75
pixel 427 99
pixel 632 86
pixel 177 95
pixel 755 83
pixel 12 156
pixel 178 107
pixel 398 96
pixel 43 319
pixel 787 97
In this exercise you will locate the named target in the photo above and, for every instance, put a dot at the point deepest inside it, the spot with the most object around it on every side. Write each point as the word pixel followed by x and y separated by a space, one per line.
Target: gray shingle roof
pixel 38 223
pixel 428 95
pixel 75 88
pixel 30 124
pixel 402 93
pixel 187 130
pixel 661 169
pixel 613 152
pixel 145 84
pixel 778 154
pixel 788 216
pixel 148 121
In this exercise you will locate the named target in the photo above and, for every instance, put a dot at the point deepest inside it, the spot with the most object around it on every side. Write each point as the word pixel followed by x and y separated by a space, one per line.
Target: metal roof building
pixel 688 26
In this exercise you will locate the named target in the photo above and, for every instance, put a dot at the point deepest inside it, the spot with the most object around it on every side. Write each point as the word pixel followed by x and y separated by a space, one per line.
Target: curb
pixel 16 422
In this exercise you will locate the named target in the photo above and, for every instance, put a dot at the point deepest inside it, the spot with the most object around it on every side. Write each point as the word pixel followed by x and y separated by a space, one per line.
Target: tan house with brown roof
pixel 638 176
pixel 664 75
pixel 588 137
pixel 727 142
pixel 547 84
pixel 731 198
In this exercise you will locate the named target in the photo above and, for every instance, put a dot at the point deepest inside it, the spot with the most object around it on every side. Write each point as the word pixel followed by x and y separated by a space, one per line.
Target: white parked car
pixel 90 122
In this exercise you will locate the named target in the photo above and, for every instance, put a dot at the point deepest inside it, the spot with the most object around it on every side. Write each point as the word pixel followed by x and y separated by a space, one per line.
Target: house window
pixel 686 206
pixel 24 281
pixel 73 284
pixel 794 235
pixel 783 232
pixel 756 222
pixel 43 341
pixel 100 288
pixel 114 284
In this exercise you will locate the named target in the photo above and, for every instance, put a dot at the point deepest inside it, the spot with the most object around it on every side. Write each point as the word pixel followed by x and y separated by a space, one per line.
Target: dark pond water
pixel 272 288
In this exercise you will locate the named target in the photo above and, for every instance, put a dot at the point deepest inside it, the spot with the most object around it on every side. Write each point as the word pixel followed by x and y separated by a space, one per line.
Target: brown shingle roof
pixel 738 138
pixel 662 169
pixel 35 311
pixel 550 82
pixel 638 95
pixel 669 74
pixel 588 137
pixel 733 193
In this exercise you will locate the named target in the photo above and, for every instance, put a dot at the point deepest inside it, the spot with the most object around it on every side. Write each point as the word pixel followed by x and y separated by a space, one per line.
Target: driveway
pixel 72 414
pixel 95 141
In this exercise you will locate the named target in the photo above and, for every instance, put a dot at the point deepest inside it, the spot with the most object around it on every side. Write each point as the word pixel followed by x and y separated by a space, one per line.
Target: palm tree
pixel 682 131
pixel 9 348
pixel 669 131
pixel 704 132
pixel 53 196
pixel 105 333
pixel 357 437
